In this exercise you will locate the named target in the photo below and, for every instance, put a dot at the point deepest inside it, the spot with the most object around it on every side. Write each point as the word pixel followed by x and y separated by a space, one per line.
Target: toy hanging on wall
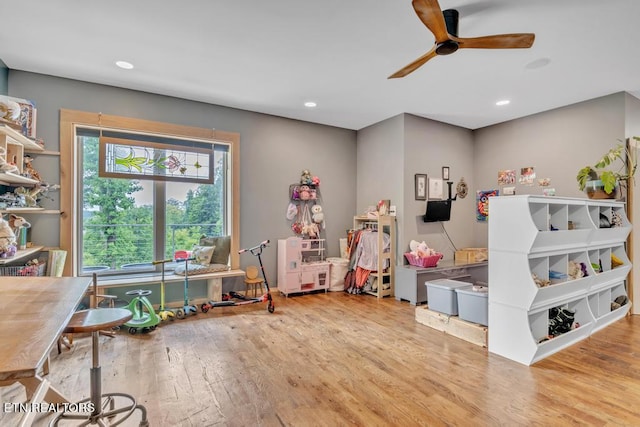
pixel 304 208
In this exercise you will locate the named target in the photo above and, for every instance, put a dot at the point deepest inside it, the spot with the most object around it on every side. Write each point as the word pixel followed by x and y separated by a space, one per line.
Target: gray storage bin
pixel 473 305
pixel 441 295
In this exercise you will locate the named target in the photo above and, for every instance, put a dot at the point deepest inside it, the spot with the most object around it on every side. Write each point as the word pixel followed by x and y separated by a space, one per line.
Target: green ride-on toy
pixel 144 317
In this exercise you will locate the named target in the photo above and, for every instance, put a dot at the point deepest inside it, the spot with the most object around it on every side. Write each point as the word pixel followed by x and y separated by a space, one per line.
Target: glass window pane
pixel 120 228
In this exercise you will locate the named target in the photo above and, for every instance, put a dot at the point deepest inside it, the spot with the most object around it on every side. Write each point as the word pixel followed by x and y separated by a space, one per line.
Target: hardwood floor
pixel 337 359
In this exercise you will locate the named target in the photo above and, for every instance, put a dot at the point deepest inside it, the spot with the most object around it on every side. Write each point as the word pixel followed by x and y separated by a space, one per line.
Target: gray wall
pixel 4 78
pixel 430 145
pixel 557 143
pixel 273 152
pixel 380 149
pixel 391 152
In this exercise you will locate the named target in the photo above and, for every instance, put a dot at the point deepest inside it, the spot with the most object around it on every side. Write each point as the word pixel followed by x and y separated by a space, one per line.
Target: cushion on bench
pixel 194 269
pixel 222 248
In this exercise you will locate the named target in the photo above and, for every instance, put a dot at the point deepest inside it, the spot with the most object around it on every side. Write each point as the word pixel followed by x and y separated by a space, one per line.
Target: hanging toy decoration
pixel 306 178
pixel 304 208
pixel 305 193
pixel 317 214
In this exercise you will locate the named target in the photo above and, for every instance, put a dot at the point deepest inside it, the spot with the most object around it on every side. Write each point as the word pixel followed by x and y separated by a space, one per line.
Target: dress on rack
pixel 363 253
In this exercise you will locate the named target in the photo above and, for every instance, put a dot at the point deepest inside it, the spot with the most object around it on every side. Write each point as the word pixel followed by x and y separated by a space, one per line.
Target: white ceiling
pixel 271 56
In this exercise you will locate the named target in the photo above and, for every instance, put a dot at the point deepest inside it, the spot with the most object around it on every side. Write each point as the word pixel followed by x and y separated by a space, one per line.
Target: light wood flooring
pixel 343 360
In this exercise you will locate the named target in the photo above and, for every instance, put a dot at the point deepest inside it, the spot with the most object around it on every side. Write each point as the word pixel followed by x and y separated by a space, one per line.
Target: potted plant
pixel 602 180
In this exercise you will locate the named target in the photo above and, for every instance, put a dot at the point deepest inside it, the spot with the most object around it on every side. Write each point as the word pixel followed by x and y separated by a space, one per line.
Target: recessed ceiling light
pixel 124 64
pixel 502 102
pixel 538 63
pixel 310 104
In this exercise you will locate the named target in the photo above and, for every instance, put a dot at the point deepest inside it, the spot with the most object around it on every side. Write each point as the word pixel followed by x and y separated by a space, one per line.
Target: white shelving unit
pixel 535 235
pixel 385 275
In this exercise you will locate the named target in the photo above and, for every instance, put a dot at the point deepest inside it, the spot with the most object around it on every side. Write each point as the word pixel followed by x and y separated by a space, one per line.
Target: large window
pixel 173 190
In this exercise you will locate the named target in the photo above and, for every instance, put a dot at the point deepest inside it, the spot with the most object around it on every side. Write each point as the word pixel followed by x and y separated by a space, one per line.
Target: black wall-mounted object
pixel 439 210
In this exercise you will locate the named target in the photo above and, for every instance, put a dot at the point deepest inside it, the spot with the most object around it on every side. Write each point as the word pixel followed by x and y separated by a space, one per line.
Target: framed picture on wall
pixel 445 173
pixel 436 189
pixel 421 186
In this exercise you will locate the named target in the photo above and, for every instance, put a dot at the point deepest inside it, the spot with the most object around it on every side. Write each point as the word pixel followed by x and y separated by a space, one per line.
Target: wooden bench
pixel 214 282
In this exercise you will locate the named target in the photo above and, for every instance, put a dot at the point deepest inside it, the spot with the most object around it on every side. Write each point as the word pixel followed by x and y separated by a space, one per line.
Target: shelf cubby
pixel 601 301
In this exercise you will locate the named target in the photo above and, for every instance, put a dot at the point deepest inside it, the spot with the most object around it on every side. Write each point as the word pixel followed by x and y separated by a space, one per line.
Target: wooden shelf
pixel 28 144
pixel 21 210
pixel 21 254
pixel 31 210
pixel 9 178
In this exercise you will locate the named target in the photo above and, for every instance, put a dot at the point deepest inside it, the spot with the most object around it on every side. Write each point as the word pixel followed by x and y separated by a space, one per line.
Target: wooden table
pixel 33 313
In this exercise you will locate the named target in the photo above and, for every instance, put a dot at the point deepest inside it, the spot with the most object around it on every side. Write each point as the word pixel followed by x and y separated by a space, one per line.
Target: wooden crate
pixel 470 255
pixel 452 325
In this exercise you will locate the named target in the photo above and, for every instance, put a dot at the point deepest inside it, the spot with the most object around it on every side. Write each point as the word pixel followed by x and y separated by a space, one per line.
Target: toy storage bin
pixel 473 305
pixel 429 261
pixel 24 270
pixel 441 295
pixel 339 269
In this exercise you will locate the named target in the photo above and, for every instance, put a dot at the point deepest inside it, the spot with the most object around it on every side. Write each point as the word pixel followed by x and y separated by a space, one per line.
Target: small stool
pixel 95 320
pixel 252 280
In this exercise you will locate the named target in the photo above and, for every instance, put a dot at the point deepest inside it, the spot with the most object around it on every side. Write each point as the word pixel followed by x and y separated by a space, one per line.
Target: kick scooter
pixel 187 309
pixel 164 313
pixel 234 298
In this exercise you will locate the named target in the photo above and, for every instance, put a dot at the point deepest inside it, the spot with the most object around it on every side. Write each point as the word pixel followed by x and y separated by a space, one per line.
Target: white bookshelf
pixel 535 235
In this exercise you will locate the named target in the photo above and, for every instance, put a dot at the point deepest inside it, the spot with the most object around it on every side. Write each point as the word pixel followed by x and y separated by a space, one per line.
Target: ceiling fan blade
pixel 500 41
pixel 414 65
pixel 430 14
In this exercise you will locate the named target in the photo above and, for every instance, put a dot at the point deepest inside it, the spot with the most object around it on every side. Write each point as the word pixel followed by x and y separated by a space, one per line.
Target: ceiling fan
pixel 444 26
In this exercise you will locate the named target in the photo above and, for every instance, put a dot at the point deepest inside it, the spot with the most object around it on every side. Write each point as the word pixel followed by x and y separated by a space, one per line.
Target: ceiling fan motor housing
pixel 448 47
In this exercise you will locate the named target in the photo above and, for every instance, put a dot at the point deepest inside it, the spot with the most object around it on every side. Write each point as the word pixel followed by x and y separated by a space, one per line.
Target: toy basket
pixel 24 270
pixel 430 261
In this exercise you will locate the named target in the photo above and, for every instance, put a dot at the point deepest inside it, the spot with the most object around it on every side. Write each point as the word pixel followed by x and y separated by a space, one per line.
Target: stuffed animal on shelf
pixel 7 239
pixel 421 249
pixel 9 110
pixel 4 166
pixel 29 170
pixel 17 222
pixel 26 198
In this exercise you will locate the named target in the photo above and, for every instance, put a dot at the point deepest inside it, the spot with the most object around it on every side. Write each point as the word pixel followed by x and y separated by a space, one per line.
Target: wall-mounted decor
pixel 506 177
pixel 462 188
pixel 436 189
pixel 482 203
pixel 120 158
pixel 445 173
pixel 527 175
pixel 421 186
